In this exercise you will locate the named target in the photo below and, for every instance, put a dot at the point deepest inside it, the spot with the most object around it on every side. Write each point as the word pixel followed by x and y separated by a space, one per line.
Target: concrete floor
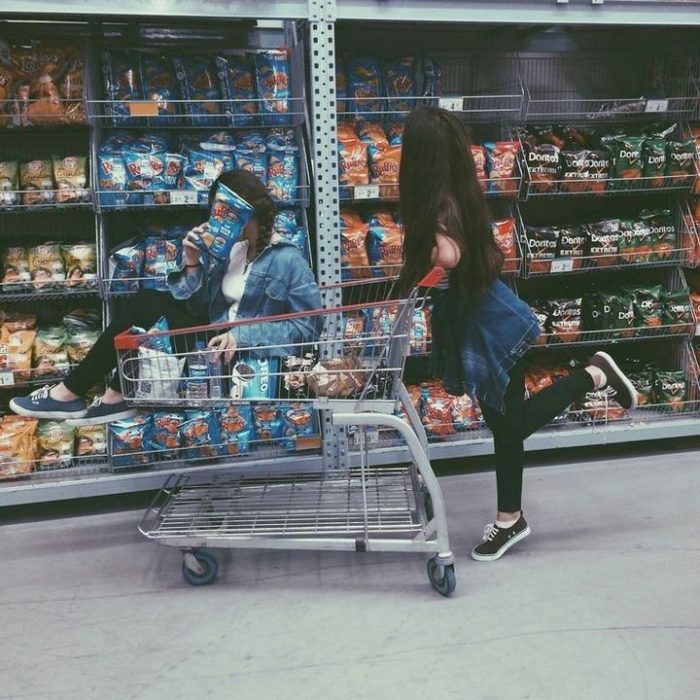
pixel 601 602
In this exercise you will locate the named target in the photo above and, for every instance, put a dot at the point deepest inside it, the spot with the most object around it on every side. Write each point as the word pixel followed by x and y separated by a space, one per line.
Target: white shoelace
pixel 42 393
pixel 97 401
pixel 490 531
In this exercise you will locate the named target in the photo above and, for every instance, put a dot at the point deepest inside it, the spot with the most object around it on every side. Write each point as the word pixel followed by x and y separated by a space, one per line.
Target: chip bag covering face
pixel 229 215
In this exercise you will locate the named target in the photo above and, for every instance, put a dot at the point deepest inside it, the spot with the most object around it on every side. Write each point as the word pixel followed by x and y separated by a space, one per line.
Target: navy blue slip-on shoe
pixel 39 404
pixel 100 412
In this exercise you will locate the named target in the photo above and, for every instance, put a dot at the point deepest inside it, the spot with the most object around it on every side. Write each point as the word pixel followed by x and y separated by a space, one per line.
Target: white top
pixel 235 278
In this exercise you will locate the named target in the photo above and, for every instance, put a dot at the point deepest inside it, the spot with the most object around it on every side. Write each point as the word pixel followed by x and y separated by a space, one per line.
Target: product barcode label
pixel 451 104
pixel 562 265
pixel 7 377
pixel 656 106
pixel 367 192
pixel 183 197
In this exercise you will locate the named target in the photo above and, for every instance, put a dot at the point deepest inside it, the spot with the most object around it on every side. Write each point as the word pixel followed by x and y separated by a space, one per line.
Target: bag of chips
pixel 160 86
pixel 400 84
pixel 643 382
pixel 384 245
pixel 680 162
pixel 273 81
pixel 436 411
pixel 573 243
pixel 255 162
pixel 576 174
pixel 677 311
pixel 160 259
pixel 15 266
pixel 500 165
pixel 300 430
pixel 70 175
pixel 36 182
pixel 268 423
pixel 479 156
pixel 337 378
pixel 635 242
pixel 112 177
pixel 626 161
pixel 129 441
pixel 617 313
pixel 647 306
pixel 79 343
pixel 654 162
pixel 199 85
pixel 565 320
pixel 544 166
pixel 81 264
pixel 541 311
pixel 420 334
pixel 601 406
pixel 372 134
pixel 9 182
pixel 236 429
pixel 353 161
pixel 55 443
pixel 18 445
pixel 543 242
pixel 229 215
pixel 46 267
pixel 283 174
pixel 16 351
pixel 125 266
pixel 504 234
pixel 166 433
pixel 670 389
pixel 365 87
pixel 662 233
pixel 50 356
pixel 90 440
pixel 237 81
pixel 354 258
pixel 604 242
pixel 384 165
pixel 122 84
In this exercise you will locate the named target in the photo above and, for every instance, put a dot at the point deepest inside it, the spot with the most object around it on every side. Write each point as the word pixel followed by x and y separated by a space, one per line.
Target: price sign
pixel 451 104
pixel 562 265
pixel 145 108
pixel 656 106
pixel 183 197
pixel 367 192
pixel 7 377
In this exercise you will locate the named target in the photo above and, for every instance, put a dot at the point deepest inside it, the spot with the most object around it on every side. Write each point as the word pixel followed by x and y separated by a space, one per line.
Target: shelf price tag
pixel 143 108
pixel 451 104
pixel 562 265
pixel 7 377
pixel 366 192
pixel 656 106
pixel 183 197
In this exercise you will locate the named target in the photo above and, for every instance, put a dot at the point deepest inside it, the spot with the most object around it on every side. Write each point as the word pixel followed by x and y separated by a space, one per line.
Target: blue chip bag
pixel 281 138
pixel 228 217
pixel 254 162
pixel 285 223
pixel 118 140
pixel 160 86
pixel 432 79
pixel 236 429
pixel 252 141
pixel 237 80
pixel 218 141
pixel 174 167
pixel 206 166
pixel 365 87
pixel 161 343
pixel 112 177
pixel 283 175
pixel 400 83
pixel 121 82
pixel 125 263
pixel 272 77
pixel 142 168
pixel 129 441
pixel 255 378
pixel 343 104
pixel 165 433
pixel 267 421
pixel 199 433
pixel 300 428
pixel 394 133
pixel 153 143
pixel 199 85
pixel 160 259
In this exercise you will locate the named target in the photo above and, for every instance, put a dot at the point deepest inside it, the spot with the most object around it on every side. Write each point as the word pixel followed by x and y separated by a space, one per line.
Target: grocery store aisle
pixel 599 603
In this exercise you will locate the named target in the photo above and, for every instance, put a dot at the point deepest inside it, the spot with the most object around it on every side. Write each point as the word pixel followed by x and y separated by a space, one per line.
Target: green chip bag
pixel 654 161
pixel 625 161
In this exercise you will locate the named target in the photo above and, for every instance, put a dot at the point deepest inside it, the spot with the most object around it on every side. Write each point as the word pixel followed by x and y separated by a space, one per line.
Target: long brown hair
pixel 253 191
pixel 439 191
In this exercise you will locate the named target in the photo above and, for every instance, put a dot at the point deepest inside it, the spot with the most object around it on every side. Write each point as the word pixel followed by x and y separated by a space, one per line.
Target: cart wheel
pixel 208 564
pixel 446 584
pixel 428 504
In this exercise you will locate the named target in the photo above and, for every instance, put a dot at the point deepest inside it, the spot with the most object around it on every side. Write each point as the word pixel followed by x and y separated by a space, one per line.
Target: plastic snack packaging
pixel 565 320
pixel 299 427
pixel 229 215
pixel 617 312
pixel 90 440
pixel 573 244
pixel 255 378
pixel 15 266
pixel 543 242
pixel 160 86
pixel 121 80
pixel 432 78
pixel 272 77
pixel 159 371
pixel 16 351
pixel 237 81
pixel 70 175
pixel 504 235
pixel 353 162
pixel 635 242
pixel 174 167
pixel 36 182
pixel 604 242
pixel 647 306
pixel 400 85
pixel 125 266
pixel 112 177
pixel 236 429
pixel 79 343
pixel 662 233
pixel 598 163
pixel 670 388
pixel 18 445
pixel 677 311
pixel 365 87
pixel 654 161
pixel 576 171
pixel 337 378
pixel 598 406
pixel 166 433
pixel 436 411
pixel 343 104
pixel 642 378
pixel 17 321
pixel 255 162
pixel 354 259
pixel 81 264
pixel 625 161
pixel 46 267
pixel 283 174
pixel 384 245
pixel 55 442
pixel 129 441
pixel 544 165
pixel 394 132
pixel 267 421
pixel 50 356
pixel 541 311
pixel 199 86
pixel 372 134
pixel 384 165
pixel 82 320
pixel 9 183
pixel 161 258
pixel 479 156
pixel 500 164
pixel 420 334
pixel 680 162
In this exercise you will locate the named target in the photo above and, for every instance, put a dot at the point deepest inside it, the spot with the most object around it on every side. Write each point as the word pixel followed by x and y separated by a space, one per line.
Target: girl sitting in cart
pixel 264 276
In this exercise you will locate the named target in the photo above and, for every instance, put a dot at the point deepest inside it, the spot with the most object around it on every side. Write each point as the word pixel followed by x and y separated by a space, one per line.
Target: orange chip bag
pixel 18 445
pixel 479 156
pixel 372 134
pixel 352 163
pixel 353 240
pixel 384 164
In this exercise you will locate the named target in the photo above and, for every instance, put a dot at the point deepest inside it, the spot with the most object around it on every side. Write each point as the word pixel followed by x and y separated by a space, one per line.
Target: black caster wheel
pixel 428 504
pixel 442 577
pixel 209 568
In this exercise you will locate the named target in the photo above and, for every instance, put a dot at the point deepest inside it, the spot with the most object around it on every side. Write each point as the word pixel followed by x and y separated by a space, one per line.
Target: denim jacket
pixel 279 282
pixel 477 343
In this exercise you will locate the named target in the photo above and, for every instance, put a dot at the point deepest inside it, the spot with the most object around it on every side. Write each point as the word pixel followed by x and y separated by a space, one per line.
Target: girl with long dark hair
pixel 481 330
pixel 263 277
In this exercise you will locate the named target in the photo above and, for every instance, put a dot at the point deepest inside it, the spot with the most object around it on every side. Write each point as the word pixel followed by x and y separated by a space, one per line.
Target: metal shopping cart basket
pixel 351 374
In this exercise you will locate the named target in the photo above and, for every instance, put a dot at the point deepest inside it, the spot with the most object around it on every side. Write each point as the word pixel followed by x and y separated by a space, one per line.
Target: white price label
pixel 451 104
pixel 562 265
pixel 656 106
pixel 367 192
pixel 7 377
pixel 183 197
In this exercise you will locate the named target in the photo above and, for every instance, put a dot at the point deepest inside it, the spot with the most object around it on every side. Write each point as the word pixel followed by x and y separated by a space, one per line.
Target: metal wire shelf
pixel 6 196
pixel 15 379
pixel 75 467
pixel 65 293
pixel 63 112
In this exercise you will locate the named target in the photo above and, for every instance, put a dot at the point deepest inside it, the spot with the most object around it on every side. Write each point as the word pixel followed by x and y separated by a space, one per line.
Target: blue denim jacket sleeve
pixel 184 285
pixel 301 294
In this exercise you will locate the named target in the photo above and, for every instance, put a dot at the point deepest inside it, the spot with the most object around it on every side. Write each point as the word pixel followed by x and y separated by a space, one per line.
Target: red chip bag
pixel 504 234
pixel 479 156
pixel 500 157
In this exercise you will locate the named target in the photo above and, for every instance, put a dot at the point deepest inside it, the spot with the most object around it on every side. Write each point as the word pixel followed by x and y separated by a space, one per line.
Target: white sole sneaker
pixel 620 376
pixel 513 540
pixel 102 420
pixel 50 415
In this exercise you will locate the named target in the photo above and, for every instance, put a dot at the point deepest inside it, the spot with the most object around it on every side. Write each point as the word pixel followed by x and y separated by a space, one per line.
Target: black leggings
pixel 520 420
pixel 142 309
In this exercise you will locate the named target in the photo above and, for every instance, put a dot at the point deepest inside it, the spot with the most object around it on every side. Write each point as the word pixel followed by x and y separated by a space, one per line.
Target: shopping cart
pixel 351 374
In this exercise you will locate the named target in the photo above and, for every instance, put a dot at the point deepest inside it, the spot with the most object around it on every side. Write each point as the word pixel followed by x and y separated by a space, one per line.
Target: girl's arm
pixel 446 253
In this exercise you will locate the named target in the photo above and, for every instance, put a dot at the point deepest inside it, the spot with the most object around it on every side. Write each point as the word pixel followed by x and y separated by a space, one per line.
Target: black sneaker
pixel 100 413
pixel 625 393
pixel 498 540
